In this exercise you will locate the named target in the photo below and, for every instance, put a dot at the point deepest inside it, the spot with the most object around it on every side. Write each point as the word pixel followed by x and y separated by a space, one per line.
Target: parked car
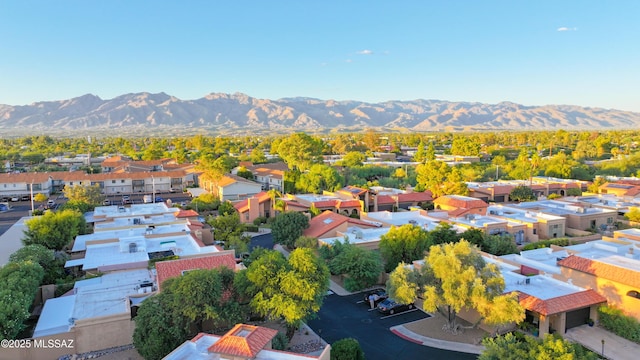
pixel 106 202
pixel 159 199
pixel 15 198
pixel 390 306
pixel 25 198
pixel 50 202
pixel 378 296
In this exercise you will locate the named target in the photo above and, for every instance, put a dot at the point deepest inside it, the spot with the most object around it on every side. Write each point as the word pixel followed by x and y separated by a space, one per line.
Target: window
pixel 70 182
pixel 113 181
pixel 535 231
pixel 609 220
pixel 121 181
pixel 634 294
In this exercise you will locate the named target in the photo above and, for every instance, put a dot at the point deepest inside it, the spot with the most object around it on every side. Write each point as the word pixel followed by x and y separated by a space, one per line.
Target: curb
pixel 398 333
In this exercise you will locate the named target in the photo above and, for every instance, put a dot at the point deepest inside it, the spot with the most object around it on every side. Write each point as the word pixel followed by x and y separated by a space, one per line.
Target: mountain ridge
pixel 238 112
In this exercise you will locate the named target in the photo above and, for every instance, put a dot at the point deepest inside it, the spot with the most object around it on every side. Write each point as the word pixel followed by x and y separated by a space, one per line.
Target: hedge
pixel 622 325
pixel 547 243
pixel 19 282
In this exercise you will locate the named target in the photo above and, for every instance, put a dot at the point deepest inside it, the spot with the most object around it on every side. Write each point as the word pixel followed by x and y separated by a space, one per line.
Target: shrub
pixel 547 243
pixel 260 220
pixel 622 325
pixel 306 242
pixel 251 228
pixel 280 341
pixel 346 349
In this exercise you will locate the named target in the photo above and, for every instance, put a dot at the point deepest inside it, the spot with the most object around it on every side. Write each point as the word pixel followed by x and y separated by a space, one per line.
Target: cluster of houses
pixel 560 287
pixel 133 250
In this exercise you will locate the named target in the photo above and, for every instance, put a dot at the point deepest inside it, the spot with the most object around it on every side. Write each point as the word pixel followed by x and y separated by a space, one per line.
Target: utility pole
pixel 153 188
pixel 32 209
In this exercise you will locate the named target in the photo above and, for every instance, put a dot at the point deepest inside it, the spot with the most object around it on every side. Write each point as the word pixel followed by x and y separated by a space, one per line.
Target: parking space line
pixel 360 302
pixel 400 313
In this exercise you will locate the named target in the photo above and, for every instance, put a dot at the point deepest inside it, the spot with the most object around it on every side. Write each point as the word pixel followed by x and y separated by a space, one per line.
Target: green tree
pixel 522 193
pixel 353 158
pixel 319 178
pixel 444 233
pixel 499 245
pixel 431 176
pixel 362 266
pixel 18 284
pixel 465 146
pixel 53 266
pixel 455 277
pixel 298 150
pixel 594 187
pixel 347 349
pixel 54 230
pixel 83 197
pixel 226 208
pixel 257 156
pixel 160 328
pixel 454 184
pixel 290 289
pixel 403 244
pixel 226 227
pixel 287 227
pixel 421 153
pixel 206 295
pixel 244 173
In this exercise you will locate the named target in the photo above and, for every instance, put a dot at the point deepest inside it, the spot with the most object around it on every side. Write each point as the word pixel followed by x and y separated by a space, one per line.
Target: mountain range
pixel 239 113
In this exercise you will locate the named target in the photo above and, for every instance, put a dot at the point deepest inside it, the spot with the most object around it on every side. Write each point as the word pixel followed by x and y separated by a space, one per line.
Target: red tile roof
pixel 186 213
pixel 243 340
pixel 243 205
pixel 415 196
pixel 174 268
pixel 561 303
pixel 461 202
pixel 348 204
pixel 385 199
pixel 325 203
pixel 328 221
pixel 602 270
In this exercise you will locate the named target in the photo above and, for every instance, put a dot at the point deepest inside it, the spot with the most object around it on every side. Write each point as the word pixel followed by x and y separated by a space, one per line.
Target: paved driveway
pixel 347 316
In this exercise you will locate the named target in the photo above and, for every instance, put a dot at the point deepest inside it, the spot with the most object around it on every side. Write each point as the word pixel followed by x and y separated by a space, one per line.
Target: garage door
pixel 577 317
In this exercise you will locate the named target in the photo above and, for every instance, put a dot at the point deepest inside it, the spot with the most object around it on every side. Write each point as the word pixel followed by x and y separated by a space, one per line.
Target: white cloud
pixel 564 28
pixel 348 60
pixel 365 52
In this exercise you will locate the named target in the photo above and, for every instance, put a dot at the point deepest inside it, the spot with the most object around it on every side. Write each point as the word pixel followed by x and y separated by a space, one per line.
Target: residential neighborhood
pixel 228 244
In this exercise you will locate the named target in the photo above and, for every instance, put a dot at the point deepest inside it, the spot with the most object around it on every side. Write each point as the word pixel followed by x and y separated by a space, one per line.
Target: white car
pixel 50 202
pixel 15 198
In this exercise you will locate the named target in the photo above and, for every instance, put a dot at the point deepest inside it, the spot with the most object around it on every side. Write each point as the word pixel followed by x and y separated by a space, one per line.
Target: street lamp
pixel 603 348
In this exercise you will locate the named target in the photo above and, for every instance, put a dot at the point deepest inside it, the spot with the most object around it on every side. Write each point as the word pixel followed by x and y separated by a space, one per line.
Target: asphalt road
pixel 342 317
pixel 18 210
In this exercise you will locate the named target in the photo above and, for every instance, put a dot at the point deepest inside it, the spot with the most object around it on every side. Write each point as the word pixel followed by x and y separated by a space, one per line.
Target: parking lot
pixel 349 316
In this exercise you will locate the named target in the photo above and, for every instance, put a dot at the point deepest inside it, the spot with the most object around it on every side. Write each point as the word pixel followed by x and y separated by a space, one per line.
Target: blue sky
pixel 530 52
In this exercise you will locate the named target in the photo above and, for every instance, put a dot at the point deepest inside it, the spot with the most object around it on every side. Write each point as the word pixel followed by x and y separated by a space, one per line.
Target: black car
pixel 378 296
pixel 389 306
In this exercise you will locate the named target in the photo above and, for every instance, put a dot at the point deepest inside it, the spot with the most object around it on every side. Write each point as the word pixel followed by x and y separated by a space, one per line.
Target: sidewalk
pixel 408 335
pixel 615 347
